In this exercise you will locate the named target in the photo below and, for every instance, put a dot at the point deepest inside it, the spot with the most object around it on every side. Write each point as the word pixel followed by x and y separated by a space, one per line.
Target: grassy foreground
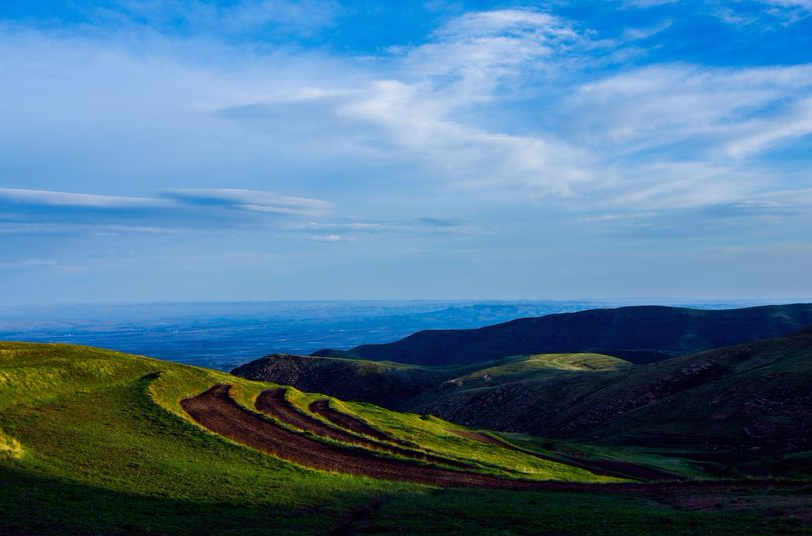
pixel 95 442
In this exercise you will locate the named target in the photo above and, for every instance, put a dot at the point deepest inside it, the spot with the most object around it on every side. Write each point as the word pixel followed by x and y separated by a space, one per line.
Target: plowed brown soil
pixel 217 411
pixel 348 422
pixel 273 402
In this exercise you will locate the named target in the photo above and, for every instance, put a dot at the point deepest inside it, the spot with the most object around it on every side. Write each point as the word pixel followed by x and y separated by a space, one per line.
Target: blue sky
pixel 272 149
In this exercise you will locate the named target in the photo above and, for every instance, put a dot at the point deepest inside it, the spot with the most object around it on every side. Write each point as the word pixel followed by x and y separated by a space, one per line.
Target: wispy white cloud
pixel 22 196
pixel 480 49
pixel 666 103
pixel 329 238
pixel 102 214
pixel 249 200
pixel 791 4
pixel 22 227
pixel 46 212
pixel 426 225
pixel 28 264
pixel 761 133
pixel 788 12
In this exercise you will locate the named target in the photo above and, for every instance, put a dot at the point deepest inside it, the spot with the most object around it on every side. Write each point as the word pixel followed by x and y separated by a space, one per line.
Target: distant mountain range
pixel 747 400
pixel 640 334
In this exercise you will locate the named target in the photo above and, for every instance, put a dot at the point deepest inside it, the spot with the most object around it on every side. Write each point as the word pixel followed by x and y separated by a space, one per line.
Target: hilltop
pixel 750 401
pixel 378 382
pixel 99 442
pixel 752 397
pixel 400 385
pixel 640 334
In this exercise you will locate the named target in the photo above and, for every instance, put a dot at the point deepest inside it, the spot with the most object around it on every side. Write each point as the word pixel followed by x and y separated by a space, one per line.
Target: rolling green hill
pixel 641 334
pixel 99 442
pixel 399 385
pixel 752 398
pixel 377 382
pixel 738 410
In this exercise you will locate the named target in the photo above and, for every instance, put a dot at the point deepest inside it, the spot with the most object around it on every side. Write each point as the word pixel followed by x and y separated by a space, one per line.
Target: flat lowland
pixel 99 442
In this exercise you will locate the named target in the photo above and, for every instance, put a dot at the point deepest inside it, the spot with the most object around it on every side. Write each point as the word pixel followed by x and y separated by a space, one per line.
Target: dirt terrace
pixel 217 411
pixel 348 422
pixel 274 403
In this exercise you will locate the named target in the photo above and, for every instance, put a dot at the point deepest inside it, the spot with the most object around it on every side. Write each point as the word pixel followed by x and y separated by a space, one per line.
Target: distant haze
pixel 223 335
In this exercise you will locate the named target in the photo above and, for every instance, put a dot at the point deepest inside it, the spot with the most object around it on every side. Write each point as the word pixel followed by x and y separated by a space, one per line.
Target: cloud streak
pixel 22 197
pixel 27 210
pixel 249 201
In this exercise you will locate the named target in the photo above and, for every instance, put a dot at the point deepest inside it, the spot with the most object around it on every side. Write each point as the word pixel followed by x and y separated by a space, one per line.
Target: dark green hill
pixel 753 397
pixel 638 334
pixel 378 382
pixel 745 400
pixel 398 385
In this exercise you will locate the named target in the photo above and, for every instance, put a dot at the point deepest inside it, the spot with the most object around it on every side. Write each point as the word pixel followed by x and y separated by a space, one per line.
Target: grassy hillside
pixel 750 402
pixel 638 334
pixel 402 386
pixel 96 442
pixel 540 365
pixel 377 382
pixel 735 411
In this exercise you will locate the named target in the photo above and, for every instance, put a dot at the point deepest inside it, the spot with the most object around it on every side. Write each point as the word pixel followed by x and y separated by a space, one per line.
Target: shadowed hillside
pixel 382 383
pixel 750 401
pixel 638 334
pixel 751 397
pixel 402 386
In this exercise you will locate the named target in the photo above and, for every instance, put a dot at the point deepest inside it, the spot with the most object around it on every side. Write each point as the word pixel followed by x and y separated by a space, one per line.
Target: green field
pixel 95 442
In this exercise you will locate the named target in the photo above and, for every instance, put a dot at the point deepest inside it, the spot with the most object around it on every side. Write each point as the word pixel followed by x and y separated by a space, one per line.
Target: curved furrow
pixel 273 402
pixel 353 424
pixel 217 411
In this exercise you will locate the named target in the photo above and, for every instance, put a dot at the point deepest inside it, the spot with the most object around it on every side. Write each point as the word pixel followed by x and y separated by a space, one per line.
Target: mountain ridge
pixel 640 334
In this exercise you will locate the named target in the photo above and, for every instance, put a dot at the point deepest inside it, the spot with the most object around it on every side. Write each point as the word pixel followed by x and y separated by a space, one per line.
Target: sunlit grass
pixel 95 442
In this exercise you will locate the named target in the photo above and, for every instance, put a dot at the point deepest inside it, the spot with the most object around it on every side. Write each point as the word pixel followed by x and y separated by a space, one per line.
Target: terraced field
pixel 274 403
pixel 98 442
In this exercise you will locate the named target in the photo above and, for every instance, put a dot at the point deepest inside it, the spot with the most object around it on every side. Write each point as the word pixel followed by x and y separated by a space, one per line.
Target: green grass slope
pixel 95 442
pixel 747 405
pixel 533 367
pixel 403 386
pixel 378 382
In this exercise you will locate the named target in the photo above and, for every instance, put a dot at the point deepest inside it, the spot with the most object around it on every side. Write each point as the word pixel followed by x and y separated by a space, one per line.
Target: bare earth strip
pixel 217 411
pixel 273 402
pixel 348 422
